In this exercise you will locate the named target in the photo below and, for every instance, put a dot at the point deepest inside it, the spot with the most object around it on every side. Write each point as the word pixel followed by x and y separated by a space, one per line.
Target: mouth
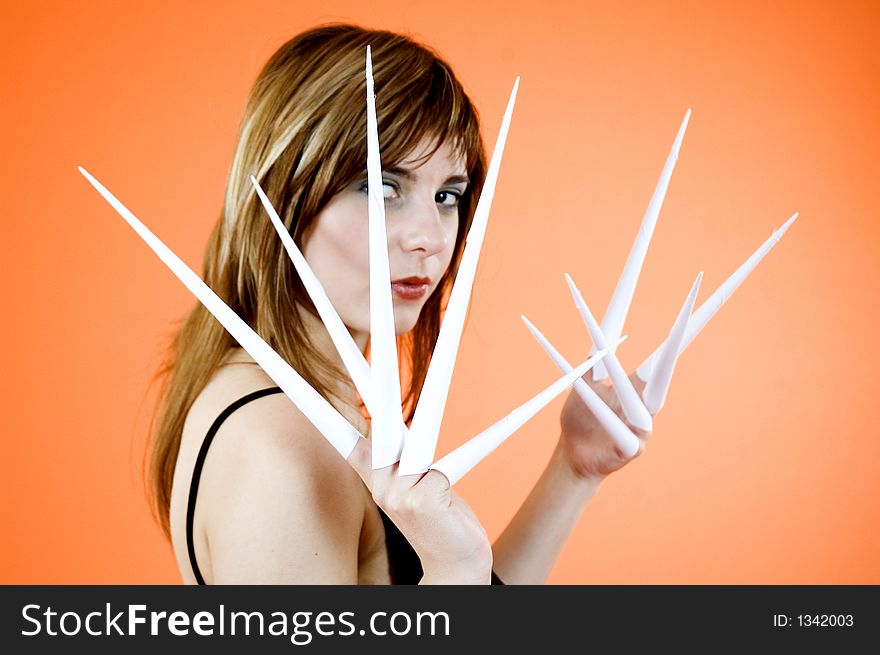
pixel 410 288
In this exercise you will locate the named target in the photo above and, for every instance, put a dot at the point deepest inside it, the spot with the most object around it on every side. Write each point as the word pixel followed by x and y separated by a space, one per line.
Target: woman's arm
pixel 584 456
pixel 527 549
pixel 282 507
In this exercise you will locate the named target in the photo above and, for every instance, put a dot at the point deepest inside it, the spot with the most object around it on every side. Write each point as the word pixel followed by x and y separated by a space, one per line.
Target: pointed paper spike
pixel 461 460
pixel 658 384
pixel 386 434
pixel 617 429
pixel 351 355
pixel 630 402
pixel 615 315
pixel 709 308
pixel 335 428
pixel 421 442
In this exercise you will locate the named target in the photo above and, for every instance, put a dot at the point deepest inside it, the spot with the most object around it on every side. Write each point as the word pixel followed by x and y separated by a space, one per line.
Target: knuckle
pixel 414 503
pixel 436 480
pixel 397 500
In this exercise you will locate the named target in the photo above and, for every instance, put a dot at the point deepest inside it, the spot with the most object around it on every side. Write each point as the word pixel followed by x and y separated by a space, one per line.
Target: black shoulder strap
pixel 200 463
pixel 398 547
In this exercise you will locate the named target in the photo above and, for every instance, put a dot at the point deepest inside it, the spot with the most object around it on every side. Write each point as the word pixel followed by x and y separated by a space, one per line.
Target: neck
pixel 322 342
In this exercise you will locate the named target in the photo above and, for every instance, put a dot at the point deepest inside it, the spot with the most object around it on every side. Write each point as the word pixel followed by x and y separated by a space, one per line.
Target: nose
pixel 422 229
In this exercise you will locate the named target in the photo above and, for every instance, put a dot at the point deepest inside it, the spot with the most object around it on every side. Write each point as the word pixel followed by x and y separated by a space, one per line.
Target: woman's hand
pixel 589 449
pixel 445 533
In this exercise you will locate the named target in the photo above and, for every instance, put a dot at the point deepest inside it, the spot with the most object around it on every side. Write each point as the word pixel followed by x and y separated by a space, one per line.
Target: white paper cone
pixel 351 355
pixel 421 442
pixel 335 428
pixel 607 418
pixel 618 307
pixel 658 384
pixel 461 460
pixel 630 402
pixel 385 432
pixel 709 308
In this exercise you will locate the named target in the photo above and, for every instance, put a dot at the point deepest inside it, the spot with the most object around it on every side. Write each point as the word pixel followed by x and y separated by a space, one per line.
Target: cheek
pixel 352 244
pixel 337 252
pixel 446 254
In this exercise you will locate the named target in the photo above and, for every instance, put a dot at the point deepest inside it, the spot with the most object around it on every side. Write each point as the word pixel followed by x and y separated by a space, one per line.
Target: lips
pixel 410 288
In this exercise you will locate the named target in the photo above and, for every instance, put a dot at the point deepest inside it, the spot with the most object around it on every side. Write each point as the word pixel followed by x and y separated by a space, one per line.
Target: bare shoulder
pixel 276 503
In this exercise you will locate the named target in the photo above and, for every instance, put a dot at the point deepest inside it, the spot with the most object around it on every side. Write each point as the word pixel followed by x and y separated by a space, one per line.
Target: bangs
pixel 321 127
pixel 425 103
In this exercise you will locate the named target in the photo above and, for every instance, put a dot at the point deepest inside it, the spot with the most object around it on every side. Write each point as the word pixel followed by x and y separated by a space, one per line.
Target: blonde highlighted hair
pixel 303 136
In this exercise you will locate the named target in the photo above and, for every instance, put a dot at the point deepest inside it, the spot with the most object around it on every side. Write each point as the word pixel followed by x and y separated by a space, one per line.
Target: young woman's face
pixel 421 221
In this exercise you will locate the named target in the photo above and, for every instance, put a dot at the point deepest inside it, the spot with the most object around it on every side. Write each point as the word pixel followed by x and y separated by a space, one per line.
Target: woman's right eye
pixel 389 189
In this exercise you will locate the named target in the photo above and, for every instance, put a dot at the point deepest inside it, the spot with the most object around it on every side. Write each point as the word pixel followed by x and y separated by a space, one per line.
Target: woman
pixel 246 488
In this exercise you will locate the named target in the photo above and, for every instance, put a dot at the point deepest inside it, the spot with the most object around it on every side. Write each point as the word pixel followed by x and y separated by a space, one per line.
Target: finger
pixel 711 306
pixel 630 401
pixel 386 486
pixel 361 460
pixel 387 421
pixel 461 460
pixel 615 315
pixel 335 428
pixel 623 438
pixel 351 355
pixel 434 482
pixel 658 384
pixel 421 442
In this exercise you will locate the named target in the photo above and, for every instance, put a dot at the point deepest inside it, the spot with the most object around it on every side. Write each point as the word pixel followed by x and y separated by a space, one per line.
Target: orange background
pixel 763 467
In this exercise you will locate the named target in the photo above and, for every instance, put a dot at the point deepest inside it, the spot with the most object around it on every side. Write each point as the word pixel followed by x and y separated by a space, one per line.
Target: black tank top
pixel 404 564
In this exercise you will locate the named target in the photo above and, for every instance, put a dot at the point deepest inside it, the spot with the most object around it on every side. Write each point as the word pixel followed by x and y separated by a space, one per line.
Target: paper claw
pixel 623 437
pixel 329 422
pixel 630 401
pixel 710 307
pixel 461 460
pixel 658 384
pixel 421 442
pixel 386 432
pixel 351 355
pixel 618 307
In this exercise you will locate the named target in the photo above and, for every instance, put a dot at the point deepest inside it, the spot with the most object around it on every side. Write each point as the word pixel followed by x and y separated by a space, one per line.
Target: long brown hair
pixel 303 136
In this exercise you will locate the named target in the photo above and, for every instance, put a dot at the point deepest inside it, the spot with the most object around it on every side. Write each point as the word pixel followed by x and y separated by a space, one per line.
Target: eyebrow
pixel 409 175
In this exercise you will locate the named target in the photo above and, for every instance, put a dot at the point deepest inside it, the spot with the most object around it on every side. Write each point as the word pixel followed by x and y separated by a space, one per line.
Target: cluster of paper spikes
pixel 378 382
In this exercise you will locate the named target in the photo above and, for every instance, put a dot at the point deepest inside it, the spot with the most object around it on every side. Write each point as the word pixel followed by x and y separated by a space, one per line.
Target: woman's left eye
pixel 448 198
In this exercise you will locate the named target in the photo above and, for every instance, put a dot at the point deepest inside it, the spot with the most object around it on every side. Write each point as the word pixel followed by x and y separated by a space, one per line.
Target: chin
pixel 402 326
pixel 405 318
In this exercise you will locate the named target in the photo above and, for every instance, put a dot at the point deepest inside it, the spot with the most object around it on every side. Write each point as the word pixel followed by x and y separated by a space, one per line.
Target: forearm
pixel 450 579
pixel 527 549
pixel 474 570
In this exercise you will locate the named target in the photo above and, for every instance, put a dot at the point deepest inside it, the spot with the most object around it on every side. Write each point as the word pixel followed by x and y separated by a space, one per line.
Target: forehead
pixel 446 158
